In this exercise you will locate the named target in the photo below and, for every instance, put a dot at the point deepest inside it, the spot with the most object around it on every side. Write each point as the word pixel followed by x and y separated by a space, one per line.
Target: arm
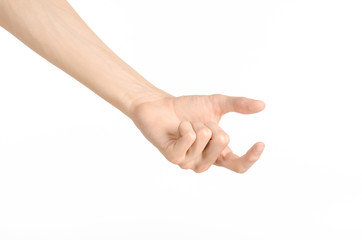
pixel 55 31
pixel 184 129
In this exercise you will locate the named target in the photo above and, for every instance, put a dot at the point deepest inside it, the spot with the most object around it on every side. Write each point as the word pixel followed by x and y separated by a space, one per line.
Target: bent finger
pixel 194 154
pixel 216 145
pixel 187 137
pixel 240 164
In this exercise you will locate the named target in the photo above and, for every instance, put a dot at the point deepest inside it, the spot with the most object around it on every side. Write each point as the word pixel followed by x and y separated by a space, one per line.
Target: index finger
pixel 240 164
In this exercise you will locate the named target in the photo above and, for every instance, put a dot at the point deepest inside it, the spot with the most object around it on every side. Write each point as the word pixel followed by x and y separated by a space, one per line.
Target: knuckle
pixel 204 133
pixel 175 160
pixel 253 159
pixel 222 138
pixel 191 136
pixel 217 96
pixel 200 169
pixel 241 170
pixel 187 165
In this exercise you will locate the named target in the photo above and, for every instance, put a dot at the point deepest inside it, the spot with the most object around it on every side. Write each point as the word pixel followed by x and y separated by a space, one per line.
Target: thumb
pixel 238 104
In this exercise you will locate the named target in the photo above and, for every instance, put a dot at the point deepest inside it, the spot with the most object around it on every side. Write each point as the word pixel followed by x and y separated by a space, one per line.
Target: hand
pixel 186 131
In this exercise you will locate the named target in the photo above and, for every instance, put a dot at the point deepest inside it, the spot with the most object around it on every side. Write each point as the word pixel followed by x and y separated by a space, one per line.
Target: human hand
pixel 186 131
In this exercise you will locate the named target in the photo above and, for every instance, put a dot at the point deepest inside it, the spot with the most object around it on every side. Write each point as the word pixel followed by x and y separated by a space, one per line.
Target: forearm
pixel 56 32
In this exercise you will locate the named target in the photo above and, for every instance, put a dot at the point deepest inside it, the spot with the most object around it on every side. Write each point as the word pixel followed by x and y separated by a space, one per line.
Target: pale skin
pixel 184 129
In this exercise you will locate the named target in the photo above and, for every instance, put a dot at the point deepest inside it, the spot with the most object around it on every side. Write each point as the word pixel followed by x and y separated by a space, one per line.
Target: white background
pixel 74 167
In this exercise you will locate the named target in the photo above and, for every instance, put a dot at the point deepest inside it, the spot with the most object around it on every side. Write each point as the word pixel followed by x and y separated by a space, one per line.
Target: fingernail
pixel 259 148
pixel 261 104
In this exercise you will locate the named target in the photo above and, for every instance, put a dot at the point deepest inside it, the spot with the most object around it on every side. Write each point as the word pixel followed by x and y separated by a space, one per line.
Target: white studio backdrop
pixel 74 167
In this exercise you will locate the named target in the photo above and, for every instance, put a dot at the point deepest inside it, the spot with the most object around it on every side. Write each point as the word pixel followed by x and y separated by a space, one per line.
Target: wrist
pixel 125 88
pixel 139 94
